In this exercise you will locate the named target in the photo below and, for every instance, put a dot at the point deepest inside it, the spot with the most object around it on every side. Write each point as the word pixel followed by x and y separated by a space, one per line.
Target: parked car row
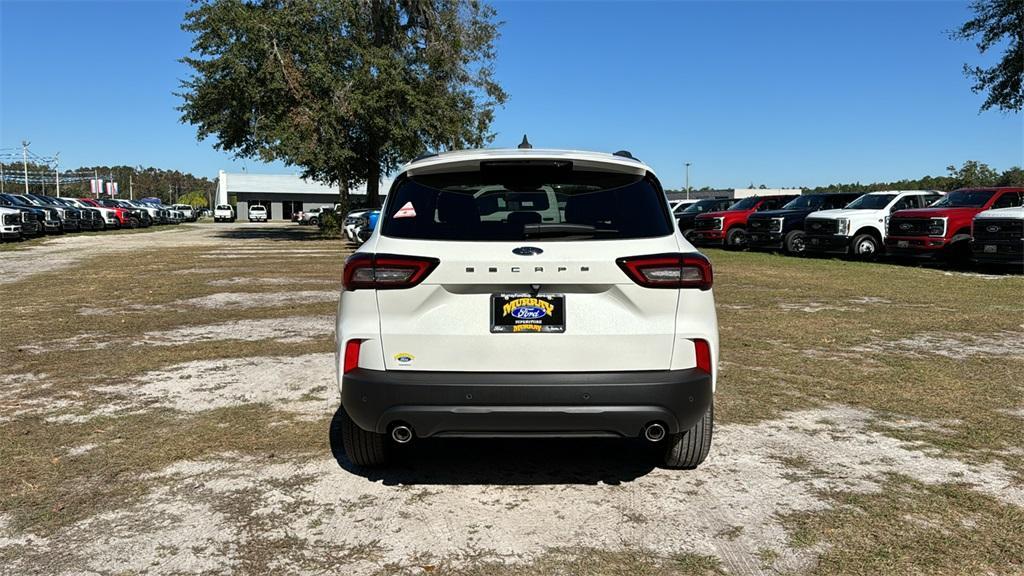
pixel 29 215
pixel 986 224
pixel 359 224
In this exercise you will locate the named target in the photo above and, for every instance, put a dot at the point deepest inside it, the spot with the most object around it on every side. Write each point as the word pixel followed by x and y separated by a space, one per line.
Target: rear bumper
pixel 526 404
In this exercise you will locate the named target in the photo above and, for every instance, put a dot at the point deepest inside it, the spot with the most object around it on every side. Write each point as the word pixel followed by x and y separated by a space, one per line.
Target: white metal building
pixel 281 194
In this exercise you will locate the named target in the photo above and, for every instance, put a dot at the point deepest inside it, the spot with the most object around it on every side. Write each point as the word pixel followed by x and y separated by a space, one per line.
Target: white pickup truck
pixel 859 229
pixel 224 213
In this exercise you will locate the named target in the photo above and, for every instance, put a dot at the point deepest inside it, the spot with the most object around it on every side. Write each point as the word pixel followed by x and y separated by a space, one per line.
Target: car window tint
pixel 493 205
pixel 1007 200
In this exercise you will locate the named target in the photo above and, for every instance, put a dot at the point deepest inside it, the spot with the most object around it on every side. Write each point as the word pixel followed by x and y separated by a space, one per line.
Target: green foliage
pixel 997 21
pixel 971 174
pixel 330 224
pixel 346 90
pixel 196 199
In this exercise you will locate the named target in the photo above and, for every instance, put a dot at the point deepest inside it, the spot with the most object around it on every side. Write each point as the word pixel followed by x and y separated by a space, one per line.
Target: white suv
pixel 859 229
pixel 257 213
pixel 527 293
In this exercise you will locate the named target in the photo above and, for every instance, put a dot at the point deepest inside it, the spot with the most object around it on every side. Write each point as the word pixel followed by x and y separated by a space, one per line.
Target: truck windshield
pixel 698 207
pixel 745 204
pixel 964 199
pixel 514 203
pixel 871 202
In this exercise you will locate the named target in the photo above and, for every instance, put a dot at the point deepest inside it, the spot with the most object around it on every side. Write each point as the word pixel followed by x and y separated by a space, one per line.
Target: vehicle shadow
pixel 271 232
pixel 506 461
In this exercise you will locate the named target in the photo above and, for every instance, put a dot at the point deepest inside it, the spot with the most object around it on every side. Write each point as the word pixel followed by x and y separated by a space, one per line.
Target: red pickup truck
pixel 728 228
pixel 944 228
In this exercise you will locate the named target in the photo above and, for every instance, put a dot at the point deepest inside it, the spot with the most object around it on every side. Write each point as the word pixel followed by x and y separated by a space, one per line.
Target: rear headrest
pixel 588 208
pixel 520 219
pixel 459 209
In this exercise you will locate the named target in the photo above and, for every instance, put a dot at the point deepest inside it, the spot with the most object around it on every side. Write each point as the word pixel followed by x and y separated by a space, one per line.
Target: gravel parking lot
pixel 167 406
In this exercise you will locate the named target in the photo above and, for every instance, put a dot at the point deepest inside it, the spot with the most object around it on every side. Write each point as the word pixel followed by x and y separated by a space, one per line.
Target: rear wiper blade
pixel 564 229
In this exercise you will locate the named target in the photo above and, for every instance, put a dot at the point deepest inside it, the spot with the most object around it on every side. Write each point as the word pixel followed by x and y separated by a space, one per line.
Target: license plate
pixel 527 313
pixel 991 249
pixel 902 243
pixel 754 237
pixel 814 241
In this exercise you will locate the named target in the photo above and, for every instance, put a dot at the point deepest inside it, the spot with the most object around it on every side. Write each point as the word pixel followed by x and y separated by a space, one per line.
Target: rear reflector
pixel 351 361
pixel 703 350
pixel 385 271
pixel 669 270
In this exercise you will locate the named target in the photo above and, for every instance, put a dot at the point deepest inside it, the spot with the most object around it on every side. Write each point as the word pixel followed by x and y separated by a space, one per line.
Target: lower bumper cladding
pixel 526 404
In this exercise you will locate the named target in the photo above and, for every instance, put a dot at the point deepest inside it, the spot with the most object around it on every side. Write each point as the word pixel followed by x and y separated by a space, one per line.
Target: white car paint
pixel 257 213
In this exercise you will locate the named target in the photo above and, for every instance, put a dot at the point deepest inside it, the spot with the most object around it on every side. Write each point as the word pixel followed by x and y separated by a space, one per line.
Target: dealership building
pixel 281 194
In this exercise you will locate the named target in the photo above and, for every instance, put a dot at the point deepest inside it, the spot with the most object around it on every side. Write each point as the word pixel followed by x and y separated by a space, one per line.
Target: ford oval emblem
pixel 992 228
pixel 906 226
pixel 528 312
pixel 527 251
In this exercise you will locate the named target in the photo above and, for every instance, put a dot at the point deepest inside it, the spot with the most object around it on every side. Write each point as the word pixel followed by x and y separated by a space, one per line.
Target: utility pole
pixel 687 180
pixel 131 193
pixel 24 161
pixel 96 176
pixel 1 177
pixel 56 171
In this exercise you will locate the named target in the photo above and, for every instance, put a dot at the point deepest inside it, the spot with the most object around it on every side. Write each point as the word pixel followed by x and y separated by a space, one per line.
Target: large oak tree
pixel 345 89
pixel 997 22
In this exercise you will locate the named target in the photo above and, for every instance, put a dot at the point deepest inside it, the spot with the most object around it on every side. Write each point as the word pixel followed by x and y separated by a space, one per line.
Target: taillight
pixel 351 361
pixel 703 350
pixel 669 270
pixel 385 271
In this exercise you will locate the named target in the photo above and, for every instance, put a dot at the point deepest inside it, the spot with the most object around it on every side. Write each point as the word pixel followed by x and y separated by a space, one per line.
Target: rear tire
pixel 688 449
pixel 313 222
pixel 362 447
pixel 736 239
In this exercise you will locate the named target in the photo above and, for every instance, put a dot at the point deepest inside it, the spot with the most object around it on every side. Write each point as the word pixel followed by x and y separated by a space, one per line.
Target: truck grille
pixel 29 217
pixel 908 226
pixel 993 229
pixel 820 226
pixel 758 225
pixel 706 224
pixel 11 219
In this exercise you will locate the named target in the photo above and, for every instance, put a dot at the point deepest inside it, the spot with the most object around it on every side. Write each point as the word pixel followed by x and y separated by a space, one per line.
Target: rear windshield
pixel 702 206
pixel 550 203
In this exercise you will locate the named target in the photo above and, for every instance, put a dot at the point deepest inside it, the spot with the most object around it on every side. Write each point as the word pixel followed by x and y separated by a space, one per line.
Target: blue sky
pixel 775 93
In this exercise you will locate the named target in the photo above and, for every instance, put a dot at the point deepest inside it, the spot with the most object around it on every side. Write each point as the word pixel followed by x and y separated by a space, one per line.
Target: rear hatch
pixel 526 278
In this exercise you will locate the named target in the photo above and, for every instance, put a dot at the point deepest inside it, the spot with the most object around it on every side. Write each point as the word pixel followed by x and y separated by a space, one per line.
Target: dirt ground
pixel 167 406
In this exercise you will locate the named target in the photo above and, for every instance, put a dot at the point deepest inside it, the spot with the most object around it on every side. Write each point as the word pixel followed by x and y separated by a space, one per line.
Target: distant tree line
pixel 972 174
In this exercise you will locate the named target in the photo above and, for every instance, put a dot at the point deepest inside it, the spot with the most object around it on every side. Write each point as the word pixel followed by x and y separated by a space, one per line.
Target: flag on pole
pixel 96 186
pixel 111 189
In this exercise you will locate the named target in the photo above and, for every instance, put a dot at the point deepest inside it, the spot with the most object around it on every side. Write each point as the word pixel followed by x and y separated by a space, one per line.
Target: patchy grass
pixel 568 562
pixel 911 528
pixel 45 489
pixel 794 333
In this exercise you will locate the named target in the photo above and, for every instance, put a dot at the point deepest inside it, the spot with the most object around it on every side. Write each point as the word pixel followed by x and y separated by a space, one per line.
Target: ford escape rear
pixel 527 293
